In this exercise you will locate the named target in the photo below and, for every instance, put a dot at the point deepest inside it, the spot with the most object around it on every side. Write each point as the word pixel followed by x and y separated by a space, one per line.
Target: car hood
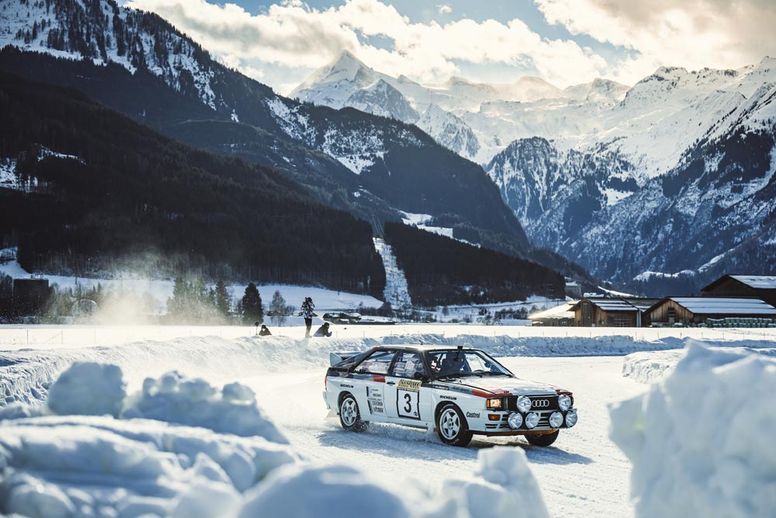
pixel 499 384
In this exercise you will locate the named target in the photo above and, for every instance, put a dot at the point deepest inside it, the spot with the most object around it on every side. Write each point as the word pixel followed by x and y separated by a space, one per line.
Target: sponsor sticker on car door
pixel 408 398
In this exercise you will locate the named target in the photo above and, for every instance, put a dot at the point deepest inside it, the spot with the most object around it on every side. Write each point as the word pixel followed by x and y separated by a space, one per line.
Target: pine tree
pixel 278 308
pixel 222 299
pixel 178 302
pixel 250 305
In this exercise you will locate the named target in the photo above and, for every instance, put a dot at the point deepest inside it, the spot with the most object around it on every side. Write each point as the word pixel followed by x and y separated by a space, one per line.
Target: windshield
pixel 459 363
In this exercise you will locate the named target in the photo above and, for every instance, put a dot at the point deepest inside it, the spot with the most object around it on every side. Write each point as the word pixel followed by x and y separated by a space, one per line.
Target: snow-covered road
pixel 583 474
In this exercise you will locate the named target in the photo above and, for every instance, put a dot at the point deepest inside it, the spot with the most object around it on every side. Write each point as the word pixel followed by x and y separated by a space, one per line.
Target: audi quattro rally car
pixel 457 391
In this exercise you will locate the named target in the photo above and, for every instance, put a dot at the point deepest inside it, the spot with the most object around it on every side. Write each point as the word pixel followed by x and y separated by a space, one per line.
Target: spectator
pixel 323 330
pixel 264 331
pixel 308 312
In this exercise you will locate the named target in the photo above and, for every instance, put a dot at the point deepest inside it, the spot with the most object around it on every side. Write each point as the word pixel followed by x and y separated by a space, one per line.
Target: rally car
pixel 456 391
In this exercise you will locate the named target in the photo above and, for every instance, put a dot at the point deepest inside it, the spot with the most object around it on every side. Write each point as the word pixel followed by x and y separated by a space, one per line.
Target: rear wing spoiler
pixel 339 357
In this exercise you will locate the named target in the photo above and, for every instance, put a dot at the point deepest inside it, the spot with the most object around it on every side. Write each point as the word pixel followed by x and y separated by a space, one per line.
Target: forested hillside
pixel 441 270
pixel 87 190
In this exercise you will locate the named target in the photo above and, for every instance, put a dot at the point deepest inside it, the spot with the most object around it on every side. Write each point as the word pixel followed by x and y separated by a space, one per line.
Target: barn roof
pixel 758 282
pixel 611 305
pixel 724 306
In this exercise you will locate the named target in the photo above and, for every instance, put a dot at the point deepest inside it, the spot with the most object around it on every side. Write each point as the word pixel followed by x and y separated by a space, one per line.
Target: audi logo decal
pixel 540 403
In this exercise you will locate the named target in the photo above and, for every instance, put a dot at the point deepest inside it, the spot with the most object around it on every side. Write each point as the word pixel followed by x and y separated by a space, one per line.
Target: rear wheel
pixel 543 439
pixel 452 427
pixel 350 416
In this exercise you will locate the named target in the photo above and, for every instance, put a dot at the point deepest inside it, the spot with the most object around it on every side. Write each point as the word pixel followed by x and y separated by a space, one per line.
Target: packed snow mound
pixel 322 492
pixel 700 441
pixel 88 388
pixel 194 402
pixel 652 366
pixel 508 487
pixel 503 486
pixel 101 466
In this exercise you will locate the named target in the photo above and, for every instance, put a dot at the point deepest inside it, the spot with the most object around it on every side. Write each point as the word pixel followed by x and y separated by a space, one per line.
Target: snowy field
pixel 243 424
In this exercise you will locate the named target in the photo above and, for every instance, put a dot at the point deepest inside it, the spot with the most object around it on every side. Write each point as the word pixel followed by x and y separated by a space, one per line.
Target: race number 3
pixel 407 393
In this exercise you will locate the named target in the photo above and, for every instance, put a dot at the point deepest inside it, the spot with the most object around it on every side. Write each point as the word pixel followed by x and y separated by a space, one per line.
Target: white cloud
pixel 689 33
pixel 444 9
pixel 294 35
pixel 282 45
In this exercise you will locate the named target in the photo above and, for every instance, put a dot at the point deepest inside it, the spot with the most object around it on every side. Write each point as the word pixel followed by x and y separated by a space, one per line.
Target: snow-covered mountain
pixel 712 210
pixel 382 99
pixel 375 167
pixel 450 131
pixel 583 168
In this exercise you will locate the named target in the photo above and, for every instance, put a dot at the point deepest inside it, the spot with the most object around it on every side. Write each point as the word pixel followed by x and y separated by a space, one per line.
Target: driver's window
pixel 408 365
pixel 378 363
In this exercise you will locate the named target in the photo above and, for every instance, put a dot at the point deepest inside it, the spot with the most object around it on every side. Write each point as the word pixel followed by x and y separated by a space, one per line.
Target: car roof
pixel 424 347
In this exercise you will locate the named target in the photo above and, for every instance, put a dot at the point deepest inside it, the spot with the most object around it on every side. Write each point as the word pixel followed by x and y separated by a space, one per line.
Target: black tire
pixel 543 439
pixel 350 415
pixel 452 427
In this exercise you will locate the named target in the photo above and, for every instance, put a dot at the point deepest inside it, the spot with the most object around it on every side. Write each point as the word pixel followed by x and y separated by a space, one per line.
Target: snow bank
pixel 701 440
pixel 508 488
pixel 323 492
pixel 100 466
pixel 503 486
pixel 194 402
pixel 88 388
pixel 649 367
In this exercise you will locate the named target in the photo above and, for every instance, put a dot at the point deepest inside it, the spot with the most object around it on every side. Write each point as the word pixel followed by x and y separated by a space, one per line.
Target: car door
pixel 369 384
pixel 406 400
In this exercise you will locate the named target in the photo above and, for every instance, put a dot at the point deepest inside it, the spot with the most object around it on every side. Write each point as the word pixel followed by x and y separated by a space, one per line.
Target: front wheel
pixel 542 440
pixel 350 416
pixel 452 427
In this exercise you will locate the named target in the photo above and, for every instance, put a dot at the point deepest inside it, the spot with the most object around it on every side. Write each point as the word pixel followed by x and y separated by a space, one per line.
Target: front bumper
pixel 501 426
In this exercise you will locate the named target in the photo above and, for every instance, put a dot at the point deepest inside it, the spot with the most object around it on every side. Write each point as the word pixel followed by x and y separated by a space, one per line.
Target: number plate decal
pixel 407 398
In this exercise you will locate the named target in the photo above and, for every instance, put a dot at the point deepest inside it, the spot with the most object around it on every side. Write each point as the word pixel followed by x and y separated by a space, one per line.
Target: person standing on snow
pixel 308 312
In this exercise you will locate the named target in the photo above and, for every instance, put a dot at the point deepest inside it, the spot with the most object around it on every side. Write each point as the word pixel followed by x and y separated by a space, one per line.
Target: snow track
pixel 583 474
pixel 396 291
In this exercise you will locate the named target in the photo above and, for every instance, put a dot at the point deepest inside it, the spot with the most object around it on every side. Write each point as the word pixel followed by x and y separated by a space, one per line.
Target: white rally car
pixel 457 391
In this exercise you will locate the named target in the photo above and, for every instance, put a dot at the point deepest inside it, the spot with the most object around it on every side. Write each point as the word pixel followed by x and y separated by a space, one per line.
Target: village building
pixel 561 315
pixel 740 312
pixel 762 287
pixel 612 312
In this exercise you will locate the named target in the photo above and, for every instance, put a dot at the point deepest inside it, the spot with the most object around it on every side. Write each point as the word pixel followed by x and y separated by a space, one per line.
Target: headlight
pixel 515 420
pixel 494 404
pixel 564 402
pixel 571 418
pixel 524 404
pixel 556 419
pixel 531 420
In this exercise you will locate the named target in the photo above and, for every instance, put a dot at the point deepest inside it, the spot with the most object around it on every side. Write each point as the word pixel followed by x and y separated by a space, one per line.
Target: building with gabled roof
pixel 697 310
pixel 762 287
pixel 611 312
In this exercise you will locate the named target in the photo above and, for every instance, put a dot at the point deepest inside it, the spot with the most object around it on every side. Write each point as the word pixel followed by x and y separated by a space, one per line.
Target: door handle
pixel 390 383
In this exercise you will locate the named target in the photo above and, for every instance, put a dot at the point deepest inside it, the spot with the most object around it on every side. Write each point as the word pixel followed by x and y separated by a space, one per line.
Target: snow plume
pixel 700 441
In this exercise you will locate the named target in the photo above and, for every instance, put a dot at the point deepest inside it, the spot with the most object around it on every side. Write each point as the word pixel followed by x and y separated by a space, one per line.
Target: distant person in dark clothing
pixel 264 331
pixel 323 330
pixel 308 312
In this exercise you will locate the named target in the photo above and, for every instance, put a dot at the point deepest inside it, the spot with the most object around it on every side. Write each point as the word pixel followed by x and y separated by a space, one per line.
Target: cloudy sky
pixel 563 41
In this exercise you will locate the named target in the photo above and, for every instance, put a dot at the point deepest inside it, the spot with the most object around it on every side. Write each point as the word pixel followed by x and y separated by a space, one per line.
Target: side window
pixel 408 365
pixel 377 363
